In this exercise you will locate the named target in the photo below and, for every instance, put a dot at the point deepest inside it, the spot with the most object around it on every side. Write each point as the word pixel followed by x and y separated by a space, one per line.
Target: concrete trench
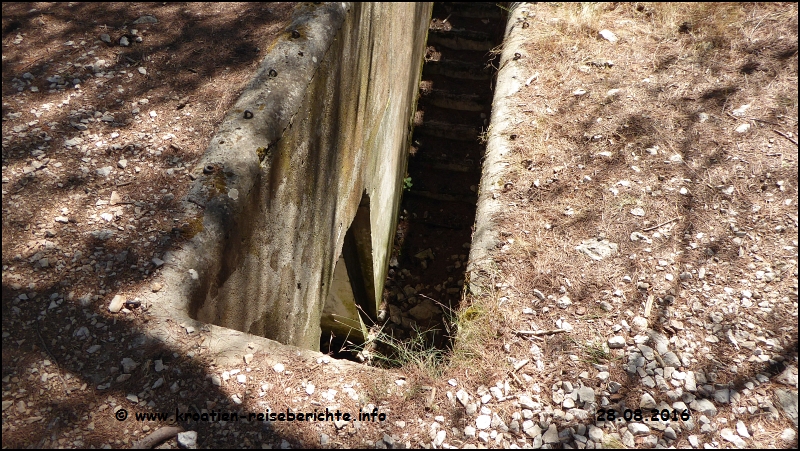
pixel 297 196
pixel 427 274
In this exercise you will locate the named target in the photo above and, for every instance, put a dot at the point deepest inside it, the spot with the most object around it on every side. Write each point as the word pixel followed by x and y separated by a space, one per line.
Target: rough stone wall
pixel 324 123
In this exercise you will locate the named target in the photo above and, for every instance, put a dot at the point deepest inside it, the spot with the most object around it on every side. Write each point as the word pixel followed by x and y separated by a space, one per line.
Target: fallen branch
pixel 763 121
pixel 648 306
pixel 751 119
pixel 431 399
pixel 538 332
pixel 520 364
pixel 517 380
pixel 662 224
pixel 785 136
pixel 158 436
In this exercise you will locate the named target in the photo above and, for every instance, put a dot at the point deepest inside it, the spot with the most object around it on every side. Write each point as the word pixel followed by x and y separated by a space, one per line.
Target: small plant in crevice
pixel 483 136
pixel 506 10
pixel 407 184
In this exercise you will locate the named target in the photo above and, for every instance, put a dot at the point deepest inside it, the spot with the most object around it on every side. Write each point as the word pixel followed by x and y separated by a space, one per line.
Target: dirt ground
pixel 677 142
pixel 105 106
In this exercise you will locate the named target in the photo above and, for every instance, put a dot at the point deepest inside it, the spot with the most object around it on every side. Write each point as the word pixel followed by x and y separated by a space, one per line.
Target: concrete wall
pixel 495 162
pixel 319 135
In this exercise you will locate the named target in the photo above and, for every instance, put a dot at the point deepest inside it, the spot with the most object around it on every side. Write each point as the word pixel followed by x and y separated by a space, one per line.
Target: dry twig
pixel 538 332
pixel 158 436
pixel 786 136
pixel 662 224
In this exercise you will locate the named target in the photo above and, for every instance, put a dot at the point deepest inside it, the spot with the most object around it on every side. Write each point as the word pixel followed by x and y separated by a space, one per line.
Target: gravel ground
pixel 688 312
pixel 646 269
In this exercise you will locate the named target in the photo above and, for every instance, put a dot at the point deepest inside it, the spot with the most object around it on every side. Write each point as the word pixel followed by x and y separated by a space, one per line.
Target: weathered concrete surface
pixel 509 80
pixel 319 134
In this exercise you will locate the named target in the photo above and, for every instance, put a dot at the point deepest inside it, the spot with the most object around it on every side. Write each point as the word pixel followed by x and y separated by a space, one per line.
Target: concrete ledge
pixel 509 80
pixel 239 172
pixel 318 135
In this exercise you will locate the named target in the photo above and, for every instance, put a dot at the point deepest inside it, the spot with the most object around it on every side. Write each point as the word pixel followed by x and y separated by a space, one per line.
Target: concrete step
pixel 451 101
pixel 457 69
pixel 433 149
pixel 459 39
pixel 451 226
pixel 477 10
pixel 454 132
pixel 452 167
pixel 444 197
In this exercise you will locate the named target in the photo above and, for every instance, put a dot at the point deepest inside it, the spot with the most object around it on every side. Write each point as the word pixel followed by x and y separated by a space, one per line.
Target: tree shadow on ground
pixel 188 46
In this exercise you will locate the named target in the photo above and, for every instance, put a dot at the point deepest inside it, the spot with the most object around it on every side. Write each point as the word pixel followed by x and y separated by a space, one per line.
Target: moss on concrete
pixel 220 183
pixel 193 227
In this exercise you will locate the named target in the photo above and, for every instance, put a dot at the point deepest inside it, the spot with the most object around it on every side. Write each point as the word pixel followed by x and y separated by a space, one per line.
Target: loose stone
pixel 647 402
pixel 730 436
pixel 638 429
pixel 551 435
pixel 705 406
pixel 483 422
pixel 616 342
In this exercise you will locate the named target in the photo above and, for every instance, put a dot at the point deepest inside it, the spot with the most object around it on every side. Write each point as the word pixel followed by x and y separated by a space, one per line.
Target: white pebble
pixel 483 422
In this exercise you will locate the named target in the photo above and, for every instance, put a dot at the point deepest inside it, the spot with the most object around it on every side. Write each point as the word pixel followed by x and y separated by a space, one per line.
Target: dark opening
pixel 427 267
pixel 357 260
